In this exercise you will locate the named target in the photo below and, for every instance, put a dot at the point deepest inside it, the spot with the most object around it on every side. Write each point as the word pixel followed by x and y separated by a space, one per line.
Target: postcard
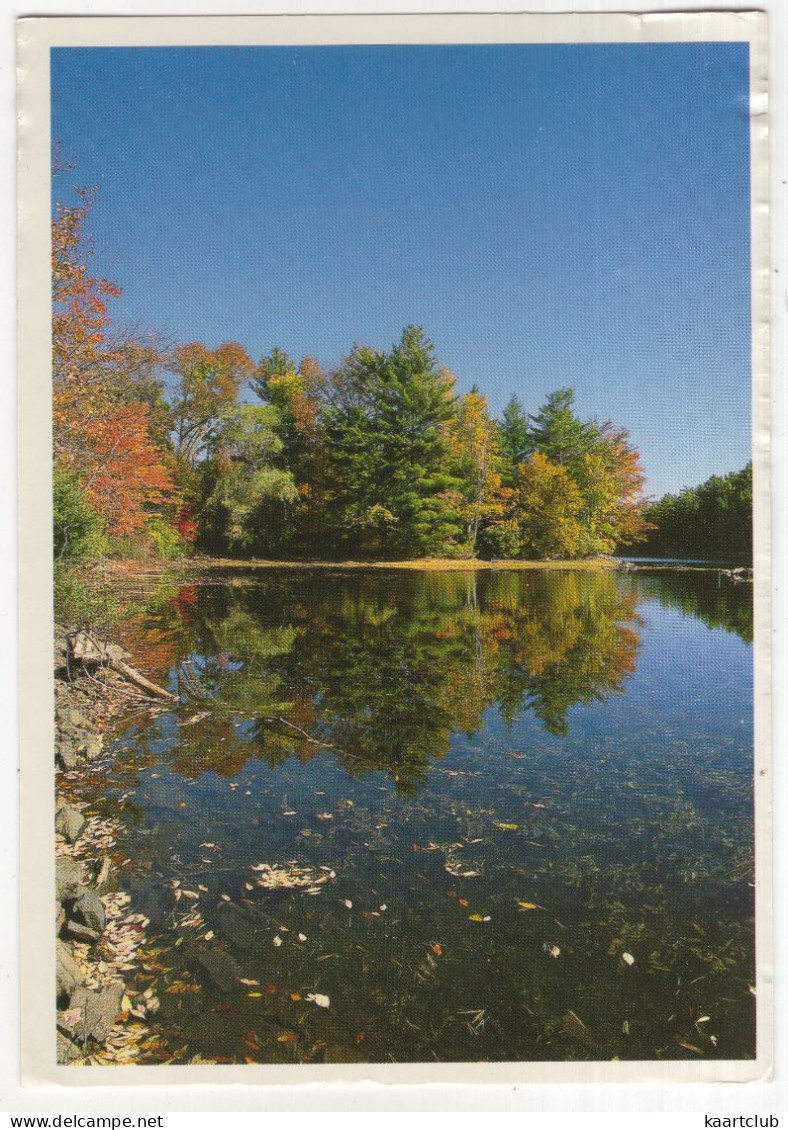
pixel 395 552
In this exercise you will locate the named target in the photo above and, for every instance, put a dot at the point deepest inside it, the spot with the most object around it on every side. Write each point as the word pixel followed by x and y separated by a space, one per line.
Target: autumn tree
pixel 204 382
pixel 298 393
pixel 103 438
pixel 476 460
pixel 547 506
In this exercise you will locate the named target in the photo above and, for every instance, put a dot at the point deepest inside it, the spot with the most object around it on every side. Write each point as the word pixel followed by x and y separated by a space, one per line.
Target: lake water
pixel 527 796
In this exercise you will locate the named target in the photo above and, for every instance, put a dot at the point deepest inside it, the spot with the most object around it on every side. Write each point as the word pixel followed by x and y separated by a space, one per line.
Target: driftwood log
pixel 84 648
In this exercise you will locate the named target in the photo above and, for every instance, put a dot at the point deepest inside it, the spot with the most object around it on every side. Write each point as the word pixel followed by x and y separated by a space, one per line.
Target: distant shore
pixel 128 566
pixel 199 564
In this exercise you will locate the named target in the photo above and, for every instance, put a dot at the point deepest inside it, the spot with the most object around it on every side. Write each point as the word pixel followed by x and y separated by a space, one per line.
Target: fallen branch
pixel 89 651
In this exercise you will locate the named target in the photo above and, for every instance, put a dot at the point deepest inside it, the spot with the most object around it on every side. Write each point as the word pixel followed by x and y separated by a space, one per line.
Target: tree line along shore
pixel 165 448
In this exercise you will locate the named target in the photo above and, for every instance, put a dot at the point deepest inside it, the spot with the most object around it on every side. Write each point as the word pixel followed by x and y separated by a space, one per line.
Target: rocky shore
pixel 103 1011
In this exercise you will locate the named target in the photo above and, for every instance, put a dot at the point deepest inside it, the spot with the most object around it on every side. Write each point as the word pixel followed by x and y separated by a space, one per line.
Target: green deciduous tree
pixel 246 497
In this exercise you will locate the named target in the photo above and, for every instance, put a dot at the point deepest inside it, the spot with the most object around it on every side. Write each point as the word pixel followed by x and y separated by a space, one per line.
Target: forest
pixel 161 448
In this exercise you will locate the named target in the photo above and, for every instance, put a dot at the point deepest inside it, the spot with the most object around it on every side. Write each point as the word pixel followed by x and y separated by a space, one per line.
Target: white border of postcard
pixel 35 37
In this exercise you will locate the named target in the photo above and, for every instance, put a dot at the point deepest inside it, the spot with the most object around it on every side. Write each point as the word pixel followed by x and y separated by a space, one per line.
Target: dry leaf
pixel 628 958
pixel 320 999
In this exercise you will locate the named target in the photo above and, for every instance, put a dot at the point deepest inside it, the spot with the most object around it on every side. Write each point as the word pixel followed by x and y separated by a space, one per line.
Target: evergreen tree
pixel 389 451
pixel 557 432
pixel 513 437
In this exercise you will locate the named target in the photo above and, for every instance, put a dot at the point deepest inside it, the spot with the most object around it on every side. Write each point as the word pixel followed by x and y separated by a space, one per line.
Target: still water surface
pixel 530 795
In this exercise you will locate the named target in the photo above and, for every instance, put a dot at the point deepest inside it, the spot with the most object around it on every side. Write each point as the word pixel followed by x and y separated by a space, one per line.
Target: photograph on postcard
pixel 402 529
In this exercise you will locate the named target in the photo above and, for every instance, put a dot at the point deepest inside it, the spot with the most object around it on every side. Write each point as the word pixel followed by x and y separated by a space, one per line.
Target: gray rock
pixel 69 878
pixel 79 932
pixel 68 974
pixel 101 882
pixel 67 754
pixel 69 822
pixel 116 652
pixel 88 910
pixel 94 746
pixel 97 1011
pixel 223 970
pixel 77 719
pixel 67 1050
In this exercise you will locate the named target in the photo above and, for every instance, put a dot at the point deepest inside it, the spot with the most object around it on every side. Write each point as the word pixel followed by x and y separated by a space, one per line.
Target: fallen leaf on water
pixel 359 1036
pixel 383 907
pixel 302 937
pixel 277 940
pixel 347 903
pixel 628 958
pixel 320 999
pixel 325 815
pixel 463 902
pixel 209 935
pixel 295 996
pixel 248 981
pixel 529 905
pixel 505 827
pixel 475 918
pixel 251 1040
pixel 287 1038
pixel 226 898
pixel 437 949
pixel 689 1047
pixel 270 989
pixel 554 951
pixel 702 1019
pixel 254 994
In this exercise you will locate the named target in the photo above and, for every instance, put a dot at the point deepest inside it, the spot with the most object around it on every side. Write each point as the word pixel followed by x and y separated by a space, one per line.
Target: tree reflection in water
pixel 380 669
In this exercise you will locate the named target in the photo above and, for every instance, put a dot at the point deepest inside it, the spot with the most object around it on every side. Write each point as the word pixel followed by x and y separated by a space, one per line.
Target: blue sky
pixel 552 215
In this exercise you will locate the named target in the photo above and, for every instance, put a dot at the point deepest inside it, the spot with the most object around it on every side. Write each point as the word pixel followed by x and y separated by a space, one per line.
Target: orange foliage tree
pixel 101 437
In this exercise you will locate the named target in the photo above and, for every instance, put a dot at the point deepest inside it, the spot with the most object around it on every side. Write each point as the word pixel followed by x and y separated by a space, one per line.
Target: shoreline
pixel 118 568
pixel 103 1014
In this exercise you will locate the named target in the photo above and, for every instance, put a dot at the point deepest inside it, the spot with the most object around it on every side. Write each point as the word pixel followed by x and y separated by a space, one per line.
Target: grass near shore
pixel 200 564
